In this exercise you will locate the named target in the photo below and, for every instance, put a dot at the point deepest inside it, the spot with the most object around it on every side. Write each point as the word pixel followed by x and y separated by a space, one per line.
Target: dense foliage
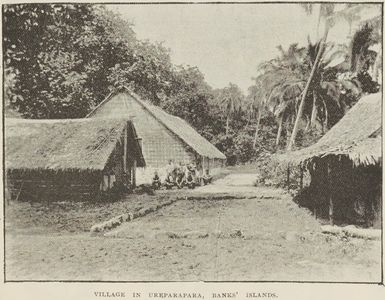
pixel 62 60
pixel 66 58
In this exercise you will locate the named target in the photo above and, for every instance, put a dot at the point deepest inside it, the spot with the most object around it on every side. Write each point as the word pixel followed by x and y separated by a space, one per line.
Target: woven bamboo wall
pixel 159 145
pixel 44 185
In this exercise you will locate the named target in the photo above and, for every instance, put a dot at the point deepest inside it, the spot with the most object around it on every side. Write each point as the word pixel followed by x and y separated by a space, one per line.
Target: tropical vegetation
pixel 61 60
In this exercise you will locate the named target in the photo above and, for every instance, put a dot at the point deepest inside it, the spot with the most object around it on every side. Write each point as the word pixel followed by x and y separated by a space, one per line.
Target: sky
pixel 226 42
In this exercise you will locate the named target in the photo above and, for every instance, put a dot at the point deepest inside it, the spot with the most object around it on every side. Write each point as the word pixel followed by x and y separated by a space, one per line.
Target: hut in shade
pixel 69 159
pixel 345 167
pixel 164 137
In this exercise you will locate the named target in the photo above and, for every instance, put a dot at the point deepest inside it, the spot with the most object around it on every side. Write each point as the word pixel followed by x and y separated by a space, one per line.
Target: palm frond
pixel 361 41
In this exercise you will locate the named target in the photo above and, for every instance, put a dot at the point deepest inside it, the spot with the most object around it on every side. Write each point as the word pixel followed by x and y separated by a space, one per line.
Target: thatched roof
pixel 357 135
pixel 176 125
pixel 76 144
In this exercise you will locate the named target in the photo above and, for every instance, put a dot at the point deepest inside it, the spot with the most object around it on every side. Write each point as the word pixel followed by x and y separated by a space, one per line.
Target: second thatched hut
pixel 345 167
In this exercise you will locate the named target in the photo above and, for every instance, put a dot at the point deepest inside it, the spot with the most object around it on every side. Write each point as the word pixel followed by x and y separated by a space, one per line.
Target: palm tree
pixel 376 24
pixel 229 100
pixel 255 107
pixel 328 14
pixel 336 83
pixel 325 12
pixel 305 83
pixel 287 91
pixel 326 83
pixel 282 79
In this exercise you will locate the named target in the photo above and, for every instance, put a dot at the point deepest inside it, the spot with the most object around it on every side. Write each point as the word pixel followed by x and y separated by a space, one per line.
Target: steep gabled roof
pixel 174 124
pixel 76 144
pixel 357 135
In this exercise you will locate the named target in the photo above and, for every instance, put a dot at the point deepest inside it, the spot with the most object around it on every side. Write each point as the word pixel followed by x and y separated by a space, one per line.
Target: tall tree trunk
pixel 227 125
pixel 304 94
pixel 313 117
pixel 307 124
pixel 257 129
pixel 376 66
pixel 280 122
pixel 325 121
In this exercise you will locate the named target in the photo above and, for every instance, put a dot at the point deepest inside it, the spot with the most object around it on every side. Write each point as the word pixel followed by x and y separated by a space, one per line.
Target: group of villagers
pixel 181 175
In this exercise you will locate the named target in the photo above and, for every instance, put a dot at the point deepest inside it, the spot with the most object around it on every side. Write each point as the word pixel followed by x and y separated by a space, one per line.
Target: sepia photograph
pixel 192 142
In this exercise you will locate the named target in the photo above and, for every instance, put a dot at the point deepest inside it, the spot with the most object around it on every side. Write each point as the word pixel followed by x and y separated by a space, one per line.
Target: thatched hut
pixel 345 167
pixel 69 159
pixel 164 137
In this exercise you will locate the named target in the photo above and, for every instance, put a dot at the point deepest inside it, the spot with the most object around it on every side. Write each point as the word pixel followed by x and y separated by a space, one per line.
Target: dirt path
pixel 266 237
pixel 232 184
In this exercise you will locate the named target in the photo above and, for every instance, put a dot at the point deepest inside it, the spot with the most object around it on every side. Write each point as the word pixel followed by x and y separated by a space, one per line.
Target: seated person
pixel 180 179
pixel 192 169
pixel 185 168
pixel 156 181
pixel 170 167
pixel 169 182
pixel 190 182
pixel 199 177
pixel 177 169
pixel 196 175
pixel 117 189
pixel 207 178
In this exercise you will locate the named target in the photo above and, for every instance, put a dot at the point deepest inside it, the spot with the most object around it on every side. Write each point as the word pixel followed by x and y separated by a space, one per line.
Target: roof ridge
pixel 150 108
pixel 108 97
pixel 189 137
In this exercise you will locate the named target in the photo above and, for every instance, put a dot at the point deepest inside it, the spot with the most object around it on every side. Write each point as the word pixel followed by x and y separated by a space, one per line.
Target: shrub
pixel 275 173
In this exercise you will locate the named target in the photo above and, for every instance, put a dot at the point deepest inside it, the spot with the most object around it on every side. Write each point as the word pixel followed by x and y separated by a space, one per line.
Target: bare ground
pixel 73 217
pixel 261 238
